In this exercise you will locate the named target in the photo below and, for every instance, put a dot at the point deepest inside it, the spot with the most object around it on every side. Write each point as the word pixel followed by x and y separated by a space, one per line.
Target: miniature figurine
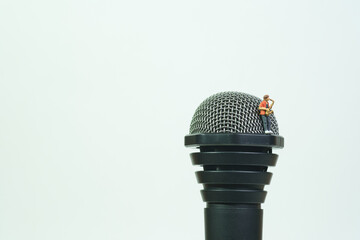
pixel 265 111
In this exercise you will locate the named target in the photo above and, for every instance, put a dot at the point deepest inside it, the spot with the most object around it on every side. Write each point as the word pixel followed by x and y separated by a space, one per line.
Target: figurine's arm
pixel 262 107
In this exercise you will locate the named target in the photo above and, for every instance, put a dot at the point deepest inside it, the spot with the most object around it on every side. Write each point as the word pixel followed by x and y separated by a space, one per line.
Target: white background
pixel 96 97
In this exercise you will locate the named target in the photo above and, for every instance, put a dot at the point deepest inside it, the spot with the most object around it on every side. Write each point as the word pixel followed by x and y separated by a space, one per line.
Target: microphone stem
pixel 233 222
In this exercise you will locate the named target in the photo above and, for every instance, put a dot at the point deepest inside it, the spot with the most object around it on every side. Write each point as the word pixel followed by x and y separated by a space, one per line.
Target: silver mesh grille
pixel 230 112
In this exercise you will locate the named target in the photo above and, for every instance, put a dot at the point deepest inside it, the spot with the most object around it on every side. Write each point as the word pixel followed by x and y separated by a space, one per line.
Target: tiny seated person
pixel 265 111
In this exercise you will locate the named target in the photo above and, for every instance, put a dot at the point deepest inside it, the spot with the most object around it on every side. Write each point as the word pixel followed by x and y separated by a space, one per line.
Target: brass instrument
pixel 268 112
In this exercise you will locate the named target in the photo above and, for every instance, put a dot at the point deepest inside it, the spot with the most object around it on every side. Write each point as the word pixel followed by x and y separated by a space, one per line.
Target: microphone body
pixel 234 175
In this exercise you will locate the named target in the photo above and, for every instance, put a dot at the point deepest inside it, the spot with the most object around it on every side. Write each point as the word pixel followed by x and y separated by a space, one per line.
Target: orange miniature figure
pixel 265 111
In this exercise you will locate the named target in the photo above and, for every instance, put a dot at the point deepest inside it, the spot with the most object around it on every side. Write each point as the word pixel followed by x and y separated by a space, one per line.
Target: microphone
pixel 235 154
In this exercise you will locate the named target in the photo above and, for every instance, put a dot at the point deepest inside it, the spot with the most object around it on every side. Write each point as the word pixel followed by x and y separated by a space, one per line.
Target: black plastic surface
pixel 234 175
pixel 234 139
pixel 233 223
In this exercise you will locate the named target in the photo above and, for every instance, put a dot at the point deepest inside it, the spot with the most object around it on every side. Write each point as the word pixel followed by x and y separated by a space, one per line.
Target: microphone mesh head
pixel 230 112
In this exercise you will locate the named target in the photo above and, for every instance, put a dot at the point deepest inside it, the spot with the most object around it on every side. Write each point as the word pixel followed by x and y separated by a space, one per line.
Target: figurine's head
pixel 266 97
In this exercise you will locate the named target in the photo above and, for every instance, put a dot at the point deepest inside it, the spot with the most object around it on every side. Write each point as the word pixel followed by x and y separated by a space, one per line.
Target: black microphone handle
pixel 234 175
pixel 230 222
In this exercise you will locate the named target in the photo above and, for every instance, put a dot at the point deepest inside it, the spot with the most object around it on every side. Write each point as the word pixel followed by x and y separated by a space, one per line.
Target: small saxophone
pixel 268 112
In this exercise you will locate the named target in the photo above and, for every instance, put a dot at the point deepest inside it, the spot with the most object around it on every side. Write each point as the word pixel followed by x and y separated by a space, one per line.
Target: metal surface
pixel 230 112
